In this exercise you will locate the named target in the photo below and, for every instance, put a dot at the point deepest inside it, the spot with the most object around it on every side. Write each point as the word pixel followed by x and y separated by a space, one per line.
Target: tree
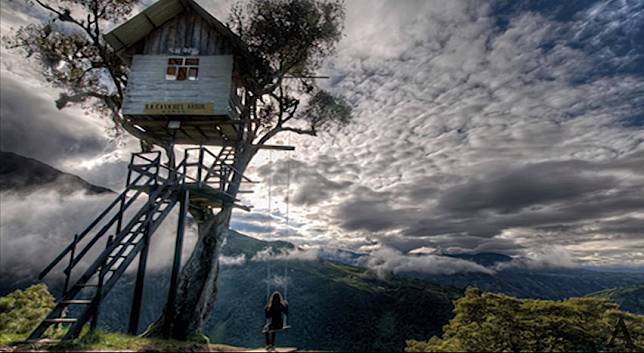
pixel 287 41
pixel 497 323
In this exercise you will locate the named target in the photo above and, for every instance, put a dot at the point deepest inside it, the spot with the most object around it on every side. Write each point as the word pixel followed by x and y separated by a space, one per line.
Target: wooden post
pixel 119 222
pixel 68 270
pixel 99 289
pixel 199 166
pixel 176 264
pixel 135 311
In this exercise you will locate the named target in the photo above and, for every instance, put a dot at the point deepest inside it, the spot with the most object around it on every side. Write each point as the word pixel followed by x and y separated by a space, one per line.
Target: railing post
pixel 68 270
pixel 199 166
pixel 119 222
pixel 157 165
pixel 186 155
pixel 223 177
pixel 99 289
pixel 129 171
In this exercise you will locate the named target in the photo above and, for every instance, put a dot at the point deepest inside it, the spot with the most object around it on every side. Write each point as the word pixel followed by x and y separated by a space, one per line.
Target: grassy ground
pixel 108 341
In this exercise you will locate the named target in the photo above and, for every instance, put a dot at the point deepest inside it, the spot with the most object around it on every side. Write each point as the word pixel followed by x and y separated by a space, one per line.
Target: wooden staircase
pixel 131 225
pixel 85 294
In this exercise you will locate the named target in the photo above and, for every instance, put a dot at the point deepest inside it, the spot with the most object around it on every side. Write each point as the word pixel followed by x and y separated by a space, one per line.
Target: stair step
pixel 62 320
pixel 43 341
pixel 76 301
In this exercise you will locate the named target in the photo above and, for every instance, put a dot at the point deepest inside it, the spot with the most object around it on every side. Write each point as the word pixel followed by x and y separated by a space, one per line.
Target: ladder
pixel 86 293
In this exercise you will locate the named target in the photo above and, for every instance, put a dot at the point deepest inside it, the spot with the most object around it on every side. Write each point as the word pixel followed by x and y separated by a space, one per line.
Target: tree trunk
pixel 198 285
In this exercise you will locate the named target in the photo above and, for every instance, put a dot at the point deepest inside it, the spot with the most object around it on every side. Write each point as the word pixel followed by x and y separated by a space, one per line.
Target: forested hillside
pixel 499 323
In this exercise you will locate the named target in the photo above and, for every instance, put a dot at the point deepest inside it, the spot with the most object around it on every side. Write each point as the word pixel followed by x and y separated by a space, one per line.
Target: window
pixel 181 69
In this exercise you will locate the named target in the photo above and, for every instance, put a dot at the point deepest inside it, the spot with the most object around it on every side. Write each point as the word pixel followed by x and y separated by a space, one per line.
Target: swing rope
pixel 270 219
pixel 288 189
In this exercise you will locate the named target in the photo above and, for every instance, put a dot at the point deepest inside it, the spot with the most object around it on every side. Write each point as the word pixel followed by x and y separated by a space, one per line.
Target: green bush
pixel 21 311
pixel 499 323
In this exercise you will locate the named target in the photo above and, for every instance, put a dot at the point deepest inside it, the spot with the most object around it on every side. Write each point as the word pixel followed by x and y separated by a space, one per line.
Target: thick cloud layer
pixel 483 126
pixel 480 126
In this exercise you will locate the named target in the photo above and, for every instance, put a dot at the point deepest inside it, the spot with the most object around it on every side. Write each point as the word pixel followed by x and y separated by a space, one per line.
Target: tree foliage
pixel 73 55
pixel 499 323
pixel 21 311
pixel 288 41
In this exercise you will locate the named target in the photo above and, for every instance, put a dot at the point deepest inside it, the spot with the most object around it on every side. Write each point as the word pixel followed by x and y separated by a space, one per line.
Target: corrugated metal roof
pixel 135 29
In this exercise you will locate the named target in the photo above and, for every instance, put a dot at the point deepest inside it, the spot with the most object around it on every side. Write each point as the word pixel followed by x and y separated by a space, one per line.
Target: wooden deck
pixel 203 195
pixel 194 130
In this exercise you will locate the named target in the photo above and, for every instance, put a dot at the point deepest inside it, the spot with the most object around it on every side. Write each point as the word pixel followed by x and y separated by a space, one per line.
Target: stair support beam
pixel 176 263
pixel 135 311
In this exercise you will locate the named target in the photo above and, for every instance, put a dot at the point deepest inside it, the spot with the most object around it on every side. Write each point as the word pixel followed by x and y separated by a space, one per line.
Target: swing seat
pixel 267 326
pixel 275 349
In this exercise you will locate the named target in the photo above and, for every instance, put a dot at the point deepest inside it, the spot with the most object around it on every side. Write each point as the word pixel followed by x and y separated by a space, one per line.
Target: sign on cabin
pixel 179 108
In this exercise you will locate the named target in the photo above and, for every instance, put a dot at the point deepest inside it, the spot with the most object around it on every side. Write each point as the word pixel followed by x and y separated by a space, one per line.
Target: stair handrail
pixel 227 166
pixel 117 239
pixel 167 192
pixel 86 231
pixel 91 226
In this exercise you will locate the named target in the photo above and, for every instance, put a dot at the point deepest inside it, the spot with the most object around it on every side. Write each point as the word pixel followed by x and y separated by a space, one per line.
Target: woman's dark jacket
pixel 274 316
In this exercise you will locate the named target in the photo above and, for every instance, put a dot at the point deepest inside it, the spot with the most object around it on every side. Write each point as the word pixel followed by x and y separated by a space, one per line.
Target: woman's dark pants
pixel 270 338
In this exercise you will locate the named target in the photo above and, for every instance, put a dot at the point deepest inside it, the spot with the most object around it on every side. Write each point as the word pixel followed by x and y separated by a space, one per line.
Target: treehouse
pixel 183 87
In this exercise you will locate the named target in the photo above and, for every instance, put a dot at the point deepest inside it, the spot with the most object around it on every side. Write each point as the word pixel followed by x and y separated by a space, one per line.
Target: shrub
pixel 21 311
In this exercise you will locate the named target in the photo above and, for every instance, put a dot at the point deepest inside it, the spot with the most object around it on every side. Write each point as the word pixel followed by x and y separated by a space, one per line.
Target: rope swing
pixel 287 220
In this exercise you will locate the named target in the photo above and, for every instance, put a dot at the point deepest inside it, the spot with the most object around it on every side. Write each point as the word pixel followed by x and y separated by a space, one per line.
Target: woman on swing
pixel 276 310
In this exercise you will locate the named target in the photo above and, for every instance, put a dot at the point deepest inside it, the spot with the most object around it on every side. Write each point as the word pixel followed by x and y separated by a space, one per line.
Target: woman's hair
pixel 275 299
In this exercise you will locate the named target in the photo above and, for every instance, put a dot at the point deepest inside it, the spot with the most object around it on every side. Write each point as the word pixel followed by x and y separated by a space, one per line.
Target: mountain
pixel 23 174
pixel 630 299
pixel 536 283
pixel 333 306
pixel 484 259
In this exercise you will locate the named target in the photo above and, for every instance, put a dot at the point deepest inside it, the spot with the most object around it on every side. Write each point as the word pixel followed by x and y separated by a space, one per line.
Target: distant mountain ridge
pixel 23 174
pixel 629 298
pixel 484 259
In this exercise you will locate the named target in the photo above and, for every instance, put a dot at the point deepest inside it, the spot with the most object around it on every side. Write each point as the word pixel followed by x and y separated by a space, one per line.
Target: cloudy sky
pixel 480 126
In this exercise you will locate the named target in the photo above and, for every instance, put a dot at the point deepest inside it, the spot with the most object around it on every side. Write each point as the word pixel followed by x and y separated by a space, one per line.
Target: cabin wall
pixel 147 84
pixel 186 32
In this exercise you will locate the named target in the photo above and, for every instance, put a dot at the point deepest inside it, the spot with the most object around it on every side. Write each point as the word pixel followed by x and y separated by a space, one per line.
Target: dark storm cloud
pixel 527 186
pixel 314 181
pixel 32 126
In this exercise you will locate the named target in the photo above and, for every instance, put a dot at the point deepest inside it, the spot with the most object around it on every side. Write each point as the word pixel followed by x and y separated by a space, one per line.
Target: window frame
pixel 182 67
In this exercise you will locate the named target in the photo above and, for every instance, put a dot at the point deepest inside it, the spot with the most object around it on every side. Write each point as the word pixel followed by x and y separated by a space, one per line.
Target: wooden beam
pixel 215 121
pixel 243 207
pixel 312 77
pixel 276 147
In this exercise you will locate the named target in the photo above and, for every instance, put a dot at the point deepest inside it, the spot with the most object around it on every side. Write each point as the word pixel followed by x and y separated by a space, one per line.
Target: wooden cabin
pixel 182 86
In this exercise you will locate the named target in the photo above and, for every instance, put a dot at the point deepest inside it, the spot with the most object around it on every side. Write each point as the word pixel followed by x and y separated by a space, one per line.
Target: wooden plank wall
pixel 147 84
pixel 187 30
